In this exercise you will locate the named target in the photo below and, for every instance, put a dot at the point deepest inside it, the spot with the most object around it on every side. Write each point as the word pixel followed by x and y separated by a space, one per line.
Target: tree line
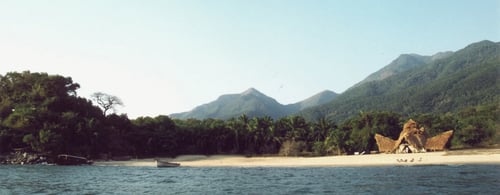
pixel 43 113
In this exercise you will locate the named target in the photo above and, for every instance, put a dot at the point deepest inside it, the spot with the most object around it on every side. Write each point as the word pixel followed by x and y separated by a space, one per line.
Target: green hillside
pixel 253 104
pixel 468 77
pixel 403 63
pixel 316 100
pixel 42 114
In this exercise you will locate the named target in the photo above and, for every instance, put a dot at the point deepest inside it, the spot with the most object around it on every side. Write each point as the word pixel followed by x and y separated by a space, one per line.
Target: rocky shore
pixel 23 158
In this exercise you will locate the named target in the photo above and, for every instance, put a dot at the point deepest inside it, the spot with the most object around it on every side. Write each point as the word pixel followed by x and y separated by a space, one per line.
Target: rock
pixel 3 159
pixel 23 158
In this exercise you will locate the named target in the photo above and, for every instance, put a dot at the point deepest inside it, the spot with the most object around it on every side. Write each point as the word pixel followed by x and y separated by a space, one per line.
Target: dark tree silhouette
pixel 106 101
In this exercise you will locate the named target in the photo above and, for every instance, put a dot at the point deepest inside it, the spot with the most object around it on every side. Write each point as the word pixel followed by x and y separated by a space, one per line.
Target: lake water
pixel 453 179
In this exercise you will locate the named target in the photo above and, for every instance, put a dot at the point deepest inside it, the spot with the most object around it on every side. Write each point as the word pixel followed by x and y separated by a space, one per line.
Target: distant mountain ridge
pixel 410 84
pixel 316 100
pixel 252 103
pixel 444 82
pixel 403 63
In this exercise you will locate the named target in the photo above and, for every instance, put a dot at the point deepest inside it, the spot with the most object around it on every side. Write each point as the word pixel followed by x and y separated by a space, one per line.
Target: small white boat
pixel 160 163
pixel 65 159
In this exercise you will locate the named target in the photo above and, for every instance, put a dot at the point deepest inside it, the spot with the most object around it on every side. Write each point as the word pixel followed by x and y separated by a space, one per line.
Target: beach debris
pixel 411 160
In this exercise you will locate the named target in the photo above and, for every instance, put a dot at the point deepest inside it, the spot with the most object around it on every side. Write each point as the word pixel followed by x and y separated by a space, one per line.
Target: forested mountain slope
pixel 252 103
pixel 401 64
pixel 464 78
pixel 318 99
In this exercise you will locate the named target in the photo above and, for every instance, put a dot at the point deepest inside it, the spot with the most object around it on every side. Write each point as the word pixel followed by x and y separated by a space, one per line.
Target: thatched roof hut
pixel 384 144
pixel 411 139
pixel 438 142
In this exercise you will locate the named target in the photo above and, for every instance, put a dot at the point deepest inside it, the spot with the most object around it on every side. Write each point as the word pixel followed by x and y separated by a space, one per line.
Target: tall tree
pixel 42 112
pixel 106 101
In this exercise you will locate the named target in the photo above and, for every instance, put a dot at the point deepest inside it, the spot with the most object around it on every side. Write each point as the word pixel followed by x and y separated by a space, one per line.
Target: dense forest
pixel 449 83
pixel 43 113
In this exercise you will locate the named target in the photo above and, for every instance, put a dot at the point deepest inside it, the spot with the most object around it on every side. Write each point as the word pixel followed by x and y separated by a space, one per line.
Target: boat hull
pixel 64 159
pixel 166 164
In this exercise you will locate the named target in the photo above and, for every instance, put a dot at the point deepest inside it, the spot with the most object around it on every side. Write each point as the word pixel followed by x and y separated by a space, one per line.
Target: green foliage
pixel 403 63
pixel 297 128
pixel 35 112
pixel 41 112
pixel 435 124
pixel 337 141
pixel 252 103
pixel 32 141
pixel 477 126
pixel 48 140
pixel 45 142
pixel 320 148
pixel 472 135
pixel 154 136
pixel 468 77
pixel 362 130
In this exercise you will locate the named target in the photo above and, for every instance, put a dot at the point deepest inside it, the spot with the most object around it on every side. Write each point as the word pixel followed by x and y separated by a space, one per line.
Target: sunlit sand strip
pixel 431 158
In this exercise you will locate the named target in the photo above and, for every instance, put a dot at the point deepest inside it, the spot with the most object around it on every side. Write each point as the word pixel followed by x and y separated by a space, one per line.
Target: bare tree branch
pixel 106 101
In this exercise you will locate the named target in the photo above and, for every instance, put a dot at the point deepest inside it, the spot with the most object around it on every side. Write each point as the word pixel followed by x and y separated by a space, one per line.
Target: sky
pixel 164 57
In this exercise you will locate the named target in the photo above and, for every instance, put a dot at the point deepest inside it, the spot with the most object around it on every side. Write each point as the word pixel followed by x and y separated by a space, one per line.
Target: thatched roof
pixel 413 138
pixel 384 144
pixel 438 142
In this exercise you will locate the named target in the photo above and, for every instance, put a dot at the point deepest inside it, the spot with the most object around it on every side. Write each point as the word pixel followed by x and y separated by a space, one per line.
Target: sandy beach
pixel 472 156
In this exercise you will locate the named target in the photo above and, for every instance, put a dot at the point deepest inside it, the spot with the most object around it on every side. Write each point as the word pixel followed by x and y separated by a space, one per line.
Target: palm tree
pixel 297 126
pixel 262 134
pixel 336 140
pixel 233 125
pixel 242 130
pixel 320 129
pixel 270 138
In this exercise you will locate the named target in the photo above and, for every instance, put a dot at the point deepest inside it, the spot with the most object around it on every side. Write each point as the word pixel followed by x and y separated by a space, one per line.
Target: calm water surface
pixel 38 179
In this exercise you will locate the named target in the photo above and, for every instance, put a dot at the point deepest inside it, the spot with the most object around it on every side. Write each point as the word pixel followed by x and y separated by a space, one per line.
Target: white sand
pixel 488 156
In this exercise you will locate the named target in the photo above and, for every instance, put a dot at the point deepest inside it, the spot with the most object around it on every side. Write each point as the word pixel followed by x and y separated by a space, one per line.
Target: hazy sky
pixel 162 57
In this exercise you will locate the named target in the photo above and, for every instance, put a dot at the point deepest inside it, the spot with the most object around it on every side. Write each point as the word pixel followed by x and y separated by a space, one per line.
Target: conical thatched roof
pixel 384 144
pixel 438 142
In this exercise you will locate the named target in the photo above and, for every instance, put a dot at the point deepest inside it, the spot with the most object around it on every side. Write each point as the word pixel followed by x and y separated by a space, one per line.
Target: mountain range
pixel 403 63
pixel 252 103
pixel 410 84
pixel 445 82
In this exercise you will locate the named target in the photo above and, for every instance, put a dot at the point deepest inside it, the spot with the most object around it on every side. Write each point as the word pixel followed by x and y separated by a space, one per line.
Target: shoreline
pixel 474 156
